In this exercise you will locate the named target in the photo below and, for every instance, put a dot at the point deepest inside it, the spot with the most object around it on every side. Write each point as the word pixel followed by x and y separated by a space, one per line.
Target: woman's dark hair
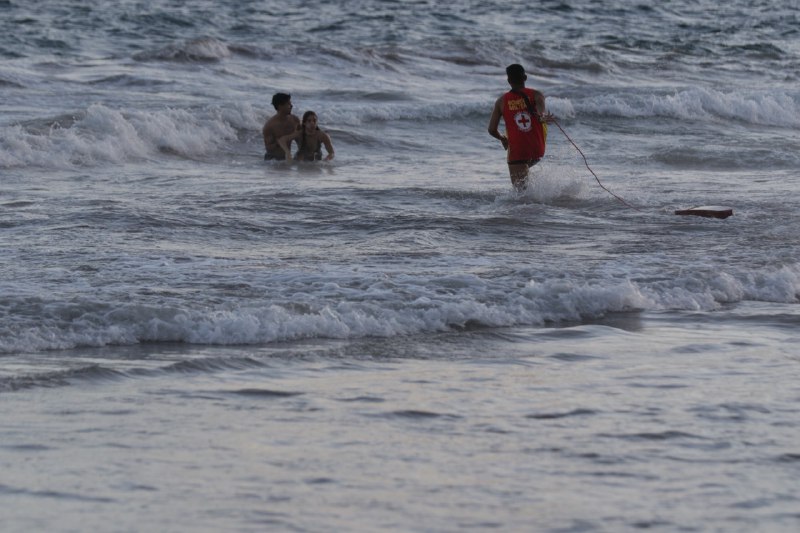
pixel 307 115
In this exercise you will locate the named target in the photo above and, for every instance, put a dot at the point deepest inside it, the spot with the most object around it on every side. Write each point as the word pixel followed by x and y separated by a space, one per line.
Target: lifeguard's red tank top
pixel 526 135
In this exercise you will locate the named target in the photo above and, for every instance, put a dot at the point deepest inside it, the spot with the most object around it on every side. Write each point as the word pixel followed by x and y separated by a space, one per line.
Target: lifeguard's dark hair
pixel 516 73
pixel 278 99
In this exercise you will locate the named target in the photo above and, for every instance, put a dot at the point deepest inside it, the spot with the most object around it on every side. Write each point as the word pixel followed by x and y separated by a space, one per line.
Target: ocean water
pixel 194 339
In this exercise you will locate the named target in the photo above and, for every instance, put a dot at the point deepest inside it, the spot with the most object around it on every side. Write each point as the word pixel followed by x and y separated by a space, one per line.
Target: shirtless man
pixel 280 125
pixel 525 117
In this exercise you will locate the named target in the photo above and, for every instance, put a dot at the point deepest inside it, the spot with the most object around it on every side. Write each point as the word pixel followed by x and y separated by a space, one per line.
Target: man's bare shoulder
pixel 272 121
pixel 281 124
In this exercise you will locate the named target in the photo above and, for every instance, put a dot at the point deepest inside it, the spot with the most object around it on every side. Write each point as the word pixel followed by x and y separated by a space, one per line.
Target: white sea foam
pixel 763 107
pixel 106 135
pixel 200 49
pixel 102 134
pixel 336 310
pixel 412 111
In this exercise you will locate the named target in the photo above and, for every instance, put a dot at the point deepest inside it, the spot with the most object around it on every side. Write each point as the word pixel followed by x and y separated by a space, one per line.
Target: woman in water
pixel 309 140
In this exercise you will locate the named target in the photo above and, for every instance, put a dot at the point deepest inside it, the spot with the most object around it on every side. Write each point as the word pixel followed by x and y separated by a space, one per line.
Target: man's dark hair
pixel 278 99
pixel 516 73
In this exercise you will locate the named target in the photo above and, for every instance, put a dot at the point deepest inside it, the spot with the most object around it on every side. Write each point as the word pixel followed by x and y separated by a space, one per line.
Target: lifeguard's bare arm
pixel 538 99
pixel 494 122
pixel 544 115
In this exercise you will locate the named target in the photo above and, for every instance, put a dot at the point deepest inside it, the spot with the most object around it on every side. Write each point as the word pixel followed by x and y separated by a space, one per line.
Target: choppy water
pixel 194 339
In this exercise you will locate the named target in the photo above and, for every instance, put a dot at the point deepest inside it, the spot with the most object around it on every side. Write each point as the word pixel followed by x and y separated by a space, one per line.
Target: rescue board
pixel 708 211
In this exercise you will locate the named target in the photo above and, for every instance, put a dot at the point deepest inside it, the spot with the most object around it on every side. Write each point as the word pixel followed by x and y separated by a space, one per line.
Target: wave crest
pixel 379 309
pixel 201 49
pixel 105 135
pixel 766 108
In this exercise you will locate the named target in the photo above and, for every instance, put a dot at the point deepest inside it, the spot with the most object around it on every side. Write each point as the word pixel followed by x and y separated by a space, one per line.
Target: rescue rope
pixel 585 162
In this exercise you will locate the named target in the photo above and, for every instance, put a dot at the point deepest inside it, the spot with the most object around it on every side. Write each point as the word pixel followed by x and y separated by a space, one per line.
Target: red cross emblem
pixel 523 121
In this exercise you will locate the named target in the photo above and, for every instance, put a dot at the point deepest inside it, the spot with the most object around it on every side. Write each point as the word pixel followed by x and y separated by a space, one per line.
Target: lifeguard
pixel 525 117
